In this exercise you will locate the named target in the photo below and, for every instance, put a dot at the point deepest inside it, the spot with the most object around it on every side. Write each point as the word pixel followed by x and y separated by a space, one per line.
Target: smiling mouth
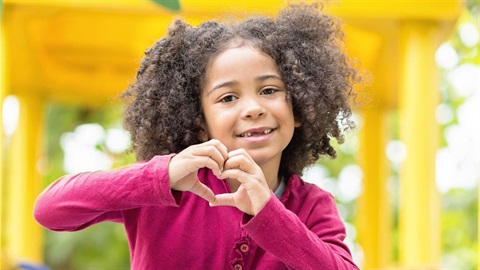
pixel 251 134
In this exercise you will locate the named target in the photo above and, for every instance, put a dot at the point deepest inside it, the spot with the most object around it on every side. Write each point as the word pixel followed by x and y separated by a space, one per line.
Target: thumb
pixel 203 191
pixel 225 199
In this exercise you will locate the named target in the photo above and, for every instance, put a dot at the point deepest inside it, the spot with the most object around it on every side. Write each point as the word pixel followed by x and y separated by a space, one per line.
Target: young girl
pixel 245 107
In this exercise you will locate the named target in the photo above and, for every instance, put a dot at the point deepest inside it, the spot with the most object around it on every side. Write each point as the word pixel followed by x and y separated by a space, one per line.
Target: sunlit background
pixel 82 138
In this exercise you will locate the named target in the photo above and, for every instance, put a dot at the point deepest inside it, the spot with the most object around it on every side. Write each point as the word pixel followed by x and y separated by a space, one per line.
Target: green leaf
pixel 173 5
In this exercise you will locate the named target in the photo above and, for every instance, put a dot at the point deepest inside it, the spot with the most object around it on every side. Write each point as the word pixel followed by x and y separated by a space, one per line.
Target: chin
pixel 262 158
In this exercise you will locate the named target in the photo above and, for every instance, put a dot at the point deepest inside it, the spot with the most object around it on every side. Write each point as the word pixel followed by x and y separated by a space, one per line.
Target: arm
pixel 318 246
pixel 75 202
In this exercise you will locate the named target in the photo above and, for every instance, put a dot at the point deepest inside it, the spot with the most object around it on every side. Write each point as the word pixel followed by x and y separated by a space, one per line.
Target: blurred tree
pixel 103 246
pixel 460 85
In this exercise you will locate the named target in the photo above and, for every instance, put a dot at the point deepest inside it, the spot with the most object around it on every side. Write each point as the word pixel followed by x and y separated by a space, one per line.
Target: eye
pixel 228 99
pixel 269 91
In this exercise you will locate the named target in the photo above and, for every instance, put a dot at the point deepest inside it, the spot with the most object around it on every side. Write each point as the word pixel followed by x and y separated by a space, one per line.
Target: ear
pixel 298 124
pixel 203 134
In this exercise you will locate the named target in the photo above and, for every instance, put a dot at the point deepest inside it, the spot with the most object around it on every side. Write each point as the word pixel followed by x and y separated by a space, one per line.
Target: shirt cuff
pixel 262 219
pixel 158 170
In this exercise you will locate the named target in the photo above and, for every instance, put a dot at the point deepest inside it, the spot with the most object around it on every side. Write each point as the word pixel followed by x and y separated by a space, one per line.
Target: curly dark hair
pixel 164 113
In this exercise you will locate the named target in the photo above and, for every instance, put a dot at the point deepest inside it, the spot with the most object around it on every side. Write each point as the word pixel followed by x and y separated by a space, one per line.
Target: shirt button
pixel 238 267
pixel 244 248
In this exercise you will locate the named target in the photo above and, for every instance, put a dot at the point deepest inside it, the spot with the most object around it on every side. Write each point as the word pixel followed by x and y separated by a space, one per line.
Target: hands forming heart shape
pixel 252 193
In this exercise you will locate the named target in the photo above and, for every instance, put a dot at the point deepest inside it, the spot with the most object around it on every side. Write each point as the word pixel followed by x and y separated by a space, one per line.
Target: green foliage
pixel 103 246
pixel 460 229
pixel 460 206
pixel 173 5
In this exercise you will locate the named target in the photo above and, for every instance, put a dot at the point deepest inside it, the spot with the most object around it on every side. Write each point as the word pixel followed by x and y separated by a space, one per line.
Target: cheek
pixel 287 110
pixel 291 116
pixel 203 135
pixel 216 123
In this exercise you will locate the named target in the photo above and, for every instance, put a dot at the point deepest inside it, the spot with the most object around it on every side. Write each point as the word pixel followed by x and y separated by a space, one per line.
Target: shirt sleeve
pixel 75 202
pixel 319 246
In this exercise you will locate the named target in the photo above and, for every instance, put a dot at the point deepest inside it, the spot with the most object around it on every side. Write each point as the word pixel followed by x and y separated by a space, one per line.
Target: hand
pixel 183 167
pixel 253 193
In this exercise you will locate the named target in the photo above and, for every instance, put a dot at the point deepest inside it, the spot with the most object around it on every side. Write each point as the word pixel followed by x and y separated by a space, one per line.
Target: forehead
pixel 240 62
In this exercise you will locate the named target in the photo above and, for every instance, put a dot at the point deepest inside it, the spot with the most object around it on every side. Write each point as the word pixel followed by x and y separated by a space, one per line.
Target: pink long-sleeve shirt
pixel 178 230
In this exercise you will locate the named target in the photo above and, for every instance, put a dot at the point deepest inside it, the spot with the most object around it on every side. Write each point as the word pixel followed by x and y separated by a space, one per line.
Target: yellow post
pixel 374 220
pixel 23 239
pixel 3 85
pixel 419 213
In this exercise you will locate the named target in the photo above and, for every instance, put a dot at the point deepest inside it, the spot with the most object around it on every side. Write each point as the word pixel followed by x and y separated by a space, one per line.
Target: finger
pixel 226 199
pixel 221 147
pixel 239 152
pixel 240 162
pixel 243 163
pixel 208 162
pixel 250 182
pixel 214 150
pixel 203 191
pixel 207 156
pixel 237 174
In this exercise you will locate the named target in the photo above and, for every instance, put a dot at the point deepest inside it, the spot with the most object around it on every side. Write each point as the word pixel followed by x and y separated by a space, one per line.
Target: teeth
pixel 249 134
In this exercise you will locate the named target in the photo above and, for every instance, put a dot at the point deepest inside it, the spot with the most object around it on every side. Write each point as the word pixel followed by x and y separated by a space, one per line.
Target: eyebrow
pixel 231 83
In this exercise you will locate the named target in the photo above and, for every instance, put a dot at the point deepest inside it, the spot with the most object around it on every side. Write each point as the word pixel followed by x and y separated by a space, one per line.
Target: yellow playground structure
pixel 86 52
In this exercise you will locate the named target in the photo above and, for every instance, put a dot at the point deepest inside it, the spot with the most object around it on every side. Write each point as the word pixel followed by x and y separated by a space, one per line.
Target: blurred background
pixel 406 180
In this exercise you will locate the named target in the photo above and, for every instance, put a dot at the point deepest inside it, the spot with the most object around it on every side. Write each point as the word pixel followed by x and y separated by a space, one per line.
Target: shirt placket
pixel 242 248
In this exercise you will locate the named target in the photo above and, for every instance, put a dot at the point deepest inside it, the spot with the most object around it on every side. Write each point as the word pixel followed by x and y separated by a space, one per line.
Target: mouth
pixel 256 133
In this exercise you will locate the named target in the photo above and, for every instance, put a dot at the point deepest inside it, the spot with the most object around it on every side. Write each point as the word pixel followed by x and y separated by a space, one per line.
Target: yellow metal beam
pixel 87 51
pixel 23 238
pixel 419 213
pixel 3 84
pixel 374 218
pixel 399 9
pixel 205 8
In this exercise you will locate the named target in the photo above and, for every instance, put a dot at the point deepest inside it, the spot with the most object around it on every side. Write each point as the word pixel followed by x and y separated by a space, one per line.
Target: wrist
pixel 172 172
pixel 262 203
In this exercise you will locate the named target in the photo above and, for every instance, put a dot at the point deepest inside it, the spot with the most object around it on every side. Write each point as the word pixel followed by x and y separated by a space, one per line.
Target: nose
pixel 253 109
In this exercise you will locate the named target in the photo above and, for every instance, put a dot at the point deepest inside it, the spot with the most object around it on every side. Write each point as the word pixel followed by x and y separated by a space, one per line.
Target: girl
pixel 245 107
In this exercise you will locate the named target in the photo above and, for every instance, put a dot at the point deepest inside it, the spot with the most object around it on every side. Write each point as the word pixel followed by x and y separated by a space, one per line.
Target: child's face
pixel 244 104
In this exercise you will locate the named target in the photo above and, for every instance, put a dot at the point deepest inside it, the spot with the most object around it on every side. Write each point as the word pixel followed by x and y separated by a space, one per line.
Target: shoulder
pixel 310 203
pixel 298 189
